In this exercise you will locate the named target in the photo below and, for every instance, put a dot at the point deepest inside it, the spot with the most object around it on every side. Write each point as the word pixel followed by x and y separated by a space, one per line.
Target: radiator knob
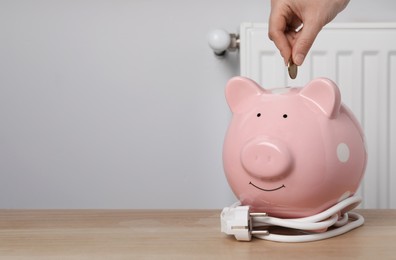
pixel 220 41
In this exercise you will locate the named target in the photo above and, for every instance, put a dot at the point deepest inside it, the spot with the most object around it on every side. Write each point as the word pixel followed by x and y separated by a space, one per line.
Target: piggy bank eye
pixel 284 115
pixel 258 114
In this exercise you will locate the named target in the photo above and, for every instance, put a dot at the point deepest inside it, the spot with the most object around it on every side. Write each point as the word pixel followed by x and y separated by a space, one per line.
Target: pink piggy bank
pixel 292 152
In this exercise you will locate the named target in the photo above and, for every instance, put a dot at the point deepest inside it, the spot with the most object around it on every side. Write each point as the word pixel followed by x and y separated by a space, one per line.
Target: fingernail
pixel 299 59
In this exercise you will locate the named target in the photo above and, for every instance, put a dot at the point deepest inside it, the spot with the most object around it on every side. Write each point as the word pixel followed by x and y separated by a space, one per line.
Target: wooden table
pixel 175 234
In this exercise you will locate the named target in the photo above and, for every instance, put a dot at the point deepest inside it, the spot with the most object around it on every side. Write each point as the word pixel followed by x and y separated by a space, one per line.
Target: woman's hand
pixel 288 15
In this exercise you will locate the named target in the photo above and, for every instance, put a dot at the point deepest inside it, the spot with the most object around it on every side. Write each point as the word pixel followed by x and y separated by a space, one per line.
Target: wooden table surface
pixel 173 234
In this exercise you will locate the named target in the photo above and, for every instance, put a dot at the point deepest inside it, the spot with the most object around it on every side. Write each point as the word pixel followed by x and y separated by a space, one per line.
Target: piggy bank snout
pixel 266 159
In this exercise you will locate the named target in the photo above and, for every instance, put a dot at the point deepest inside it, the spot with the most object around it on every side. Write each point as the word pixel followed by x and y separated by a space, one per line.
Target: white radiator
pixel 361 59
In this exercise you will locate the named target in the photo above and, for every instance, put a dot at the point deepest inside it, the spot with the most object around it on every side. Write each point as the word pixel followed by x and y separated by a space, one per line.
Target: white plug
pixel 238 222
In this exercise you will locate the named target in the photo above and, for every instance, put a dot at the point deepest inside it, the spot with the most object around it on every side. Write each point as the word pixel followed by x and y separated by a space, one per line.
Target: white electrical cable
pixel 288 223
pixel 316 236
pixel 323 220
pixel 238 221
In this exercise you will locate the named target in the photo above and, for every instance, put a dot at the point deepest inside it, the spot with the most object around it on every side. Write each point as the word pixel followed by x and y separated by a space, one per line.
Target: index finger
pixel 277 33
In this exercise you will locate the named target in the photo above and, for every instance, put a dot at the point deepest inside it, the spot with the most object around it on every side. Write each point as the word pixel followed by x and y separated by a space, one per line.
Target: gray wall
pixel 120 104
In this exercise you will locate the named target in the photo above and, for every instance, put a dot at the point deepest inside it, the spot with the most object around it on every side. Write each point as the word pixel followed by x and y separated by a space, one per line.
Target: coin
pixel 292 68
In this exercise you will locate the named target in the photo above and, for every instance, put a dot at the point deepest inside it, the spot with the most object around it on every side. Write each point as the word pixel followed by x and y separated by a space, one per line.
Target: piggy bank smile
pixel 257 187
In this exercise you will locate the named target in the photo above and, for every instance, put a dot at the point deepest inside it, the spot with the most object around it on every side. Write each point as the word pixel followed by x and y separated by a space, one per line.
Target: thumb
pixel 304 42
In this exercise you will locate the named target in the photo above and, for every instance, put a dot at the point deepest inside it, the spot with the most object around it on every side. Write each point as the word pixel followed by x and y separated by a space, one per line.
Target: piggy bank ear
pixel 239 90
pixel 324 94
